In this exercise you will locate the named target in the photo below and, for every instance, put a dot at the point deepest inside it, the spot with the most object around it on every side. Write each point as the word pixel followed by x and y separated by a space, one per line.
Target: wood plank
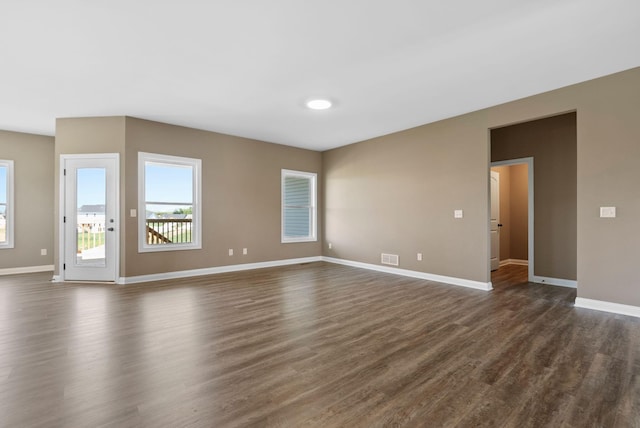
pixel 312 345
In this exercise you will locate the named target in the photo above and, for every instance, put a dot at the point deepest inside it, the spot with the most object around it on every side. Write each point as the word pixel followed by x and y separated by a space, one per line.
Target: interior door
pixel 90 217
pixel 495 220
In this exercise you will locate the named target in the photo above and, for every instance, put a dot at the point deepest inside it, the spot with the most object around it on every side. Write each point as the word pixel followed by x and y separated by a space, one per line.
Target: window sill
pixel 163 248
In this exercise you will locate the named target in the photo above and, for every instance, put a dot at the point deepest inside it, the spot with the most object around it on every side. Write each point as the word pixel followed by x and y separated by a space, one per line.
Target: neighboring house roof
pixel 92 209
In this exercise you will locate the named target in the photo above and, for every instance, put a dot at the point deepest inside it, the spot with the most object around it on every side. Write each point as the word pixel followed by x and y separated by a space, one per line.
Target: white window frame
pixel 313 178
pixel 196 164
pixel 9 242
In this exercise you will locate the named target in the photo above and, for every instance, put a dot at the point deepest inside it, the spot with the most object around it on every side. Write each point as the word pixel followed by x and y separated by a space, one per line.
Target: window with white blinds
pixel 298 206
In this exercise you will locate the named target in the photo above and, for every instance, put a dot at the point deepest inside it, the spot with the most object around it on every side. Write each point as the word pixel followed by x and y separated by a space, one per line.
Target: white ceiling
pixel 247 67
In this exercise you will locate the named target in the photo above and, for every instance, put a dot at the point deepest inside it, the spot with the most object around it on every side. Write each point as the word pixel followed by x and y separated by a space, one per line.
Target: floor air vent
pixel 389 259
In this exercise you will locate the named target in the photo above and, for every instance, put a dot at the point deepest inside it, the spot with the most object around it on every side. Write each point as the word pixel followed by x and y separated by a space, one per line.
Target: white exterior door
pixel 90 214
pixel 495 220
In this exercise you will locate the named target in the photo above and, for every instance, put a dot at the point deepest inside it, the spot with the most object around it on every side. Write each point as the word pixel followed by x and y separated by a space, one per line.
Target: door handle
pixel 110 229
pixel 499 224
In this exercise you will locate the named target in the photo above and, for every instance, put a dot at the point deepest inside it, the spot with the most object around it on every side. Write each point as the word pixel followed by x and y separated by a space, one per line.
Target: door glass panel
pixel 91 197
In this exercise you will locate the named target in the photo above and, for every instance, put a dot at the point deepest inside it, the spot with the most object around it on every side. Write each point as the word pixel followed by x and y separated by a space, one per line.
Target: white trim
pixel 530 239
pixel 215 270
pixel 555 281
pixel 10 219
pixel 601 305
pixel 26 269
pixel 517 262
pixel 276 263
pixel 197 221
pixel 485 286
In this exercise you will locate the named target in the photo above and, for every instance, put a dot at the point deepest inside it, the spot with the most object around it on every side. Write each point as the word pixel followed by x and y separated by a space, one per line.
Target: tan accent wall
pixel 396 193
pixel 241 197
pixel 518 213
pixel 552 144
pixel 33 198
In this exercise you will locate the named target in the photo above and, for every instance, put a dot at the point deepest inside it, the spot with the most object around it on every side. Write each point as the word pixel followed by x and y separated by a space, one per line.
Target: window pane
pixel 3 184
pixel 3 222
pixel 168 183
pixel 169 224
pixel 297 191
pixel 297 222
pixel 91 199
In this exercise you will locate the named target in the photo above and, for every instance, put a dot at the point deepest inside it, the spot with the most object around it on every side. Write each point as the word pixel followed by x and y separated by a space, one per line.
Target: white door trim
pixel 529 162
pixel 61 209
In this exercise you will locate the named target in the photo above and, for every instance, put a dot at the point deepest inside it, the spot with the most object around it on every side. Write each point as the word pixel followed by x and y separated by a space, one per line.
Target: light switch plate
pixel 132 212
pixel 607 212
pixel 457 214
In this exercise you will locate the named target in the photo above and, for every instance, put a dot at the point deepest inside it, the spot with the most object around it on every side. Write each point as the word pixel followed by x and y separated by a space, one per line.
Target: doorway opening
pixel 512 216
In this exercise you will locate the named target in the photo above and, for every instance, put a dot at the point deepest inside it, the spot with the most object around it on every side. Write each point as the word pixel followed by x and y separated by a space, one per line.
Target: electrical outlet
pixel 43 252
pixel 457 213
pixel 419 257
pixel 231 251
pixel 244 251
pixel 330 245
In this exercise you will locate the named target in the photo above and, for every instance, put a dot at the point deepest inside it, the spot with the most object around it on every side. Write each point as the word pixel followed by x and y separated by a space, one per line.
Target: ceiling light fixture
pixel 319 104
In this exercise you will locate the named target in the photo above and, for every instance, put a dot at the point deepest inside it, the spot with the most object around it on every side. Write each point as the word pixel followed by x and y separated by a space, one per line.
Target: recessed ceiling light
pixel 319 104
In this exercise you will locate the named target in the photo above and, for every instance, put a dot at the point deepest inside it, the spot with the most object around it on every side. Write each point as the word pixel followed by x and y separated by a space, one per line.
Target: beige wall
pixel 552 144
pixel 33 199
pixel 241 190
pixel 518 213
pixel 84 136
pixel 396 193
pixel 241 197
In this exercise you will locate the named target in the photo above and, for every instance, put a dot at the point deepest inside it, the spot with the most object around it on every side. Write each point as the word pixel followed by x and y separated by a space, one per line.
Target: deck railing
pixel 169 230
pixel 89 235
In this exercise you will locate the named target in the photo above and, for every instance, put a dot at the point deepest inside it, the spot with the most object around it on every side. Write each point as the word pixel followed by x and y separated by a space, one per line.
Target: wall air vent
pixel 390 259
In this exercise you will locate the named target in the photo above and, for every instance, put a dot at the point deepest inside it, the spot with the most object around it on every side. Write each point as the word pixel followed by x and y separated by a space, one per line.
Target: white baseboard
pixel 555 281
pixel 601 305
pixel 514 262
pixel 486 286
pixel 26 269
pixel 214 270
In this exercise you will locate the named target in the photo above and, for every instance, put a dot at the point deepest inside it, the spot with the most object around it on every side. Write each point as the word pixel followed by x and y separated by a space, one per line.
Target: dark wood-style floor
pixel 316 345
